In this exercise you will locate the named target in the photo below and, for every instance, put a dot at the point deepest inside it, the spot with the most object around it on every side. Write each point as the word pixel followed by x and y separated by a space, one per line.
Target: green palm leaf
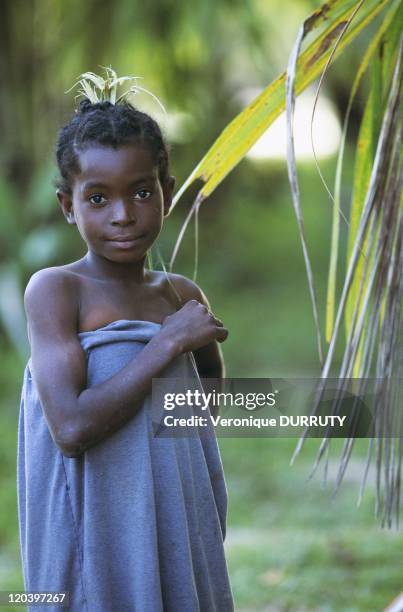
pixel 326 26
pixel 389 30
pixel 240 135
pixel 373 285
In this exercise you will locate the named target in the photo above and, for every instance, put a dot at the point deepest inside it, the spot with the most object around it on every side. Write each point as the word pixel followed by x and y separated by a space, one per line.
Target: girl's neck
pixel 111 270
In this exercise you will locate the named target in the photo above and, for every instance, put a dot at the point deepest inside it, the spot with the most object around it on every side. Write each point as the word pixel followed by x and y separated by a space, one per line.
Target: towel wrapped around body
pixel 137 523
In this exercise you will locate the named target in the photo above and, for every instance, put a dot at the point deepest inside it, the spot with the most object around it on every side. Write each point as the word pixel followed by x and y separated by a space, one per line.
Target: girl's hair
pixel 107 124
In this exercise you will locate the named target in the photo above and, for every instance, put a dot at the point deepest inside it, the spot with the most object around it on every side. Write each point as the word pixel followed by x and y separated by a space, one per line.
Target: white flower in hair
pixel 99 89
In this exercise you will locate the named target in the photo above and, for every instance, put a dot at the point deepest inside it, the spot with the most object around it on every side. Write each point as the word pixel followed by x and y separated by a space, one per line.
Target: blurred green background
pixel 290 546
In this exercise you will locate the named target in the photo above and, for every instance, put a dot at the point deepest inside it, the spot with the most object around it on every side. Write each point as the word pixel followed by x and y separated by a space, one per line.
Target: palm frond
pixel 241 134
pixel 380 229
pixel 391 20
pixel 324 26
pixel 372 290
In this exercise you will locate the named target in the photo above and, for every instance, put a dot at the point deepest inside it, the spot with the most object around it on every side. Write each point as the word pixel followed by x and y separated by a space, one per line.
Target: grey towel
pixel 135 524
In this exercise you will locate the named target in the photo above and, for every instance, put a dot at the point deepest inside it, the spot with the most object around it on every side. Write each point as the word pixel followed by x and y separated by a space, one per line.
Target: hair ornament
pixel 105 89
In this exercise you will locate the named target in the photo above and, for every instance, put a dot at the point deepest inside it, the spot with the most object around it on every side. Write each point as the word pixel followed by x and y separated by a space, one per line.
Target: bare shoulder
pixel 187 289
pixel 48 283
pixel 52 294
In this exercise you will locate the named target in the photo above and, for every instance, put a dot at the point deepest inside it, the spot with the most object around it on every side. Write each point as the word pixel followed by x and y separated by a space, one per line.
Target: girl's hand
pixel 192 327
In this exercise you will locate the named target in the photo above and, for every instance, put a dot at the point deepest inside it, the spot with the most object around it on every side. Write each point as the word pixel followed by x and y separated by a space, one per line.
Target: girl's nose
pixel 123 213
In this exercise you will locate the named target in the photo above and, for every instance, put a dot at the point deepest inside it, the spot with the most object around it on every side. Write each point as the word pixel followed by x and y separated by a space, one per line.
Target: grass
pixel 291 547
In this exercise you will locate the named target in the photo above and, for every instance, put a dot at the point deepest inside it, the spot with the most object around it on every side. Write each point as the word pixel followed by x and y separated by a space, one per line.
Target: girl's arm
pixel 209 358
pixel 79 417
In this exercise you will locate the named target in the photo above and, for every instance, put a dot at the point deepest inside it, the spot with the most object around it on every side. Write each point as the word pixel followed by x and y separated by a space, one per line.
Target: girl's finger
pixel 222 334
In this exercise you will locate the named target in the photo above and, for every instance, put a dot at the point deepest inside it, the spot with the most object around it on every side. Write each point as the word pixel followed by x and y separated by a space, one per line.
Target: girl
pixel 118 518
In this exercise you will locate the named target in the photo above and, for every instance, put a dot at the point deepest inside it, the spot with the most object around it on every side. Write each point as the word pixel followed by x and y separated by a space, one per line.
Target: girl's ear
pixel 168 191
pixel 66 204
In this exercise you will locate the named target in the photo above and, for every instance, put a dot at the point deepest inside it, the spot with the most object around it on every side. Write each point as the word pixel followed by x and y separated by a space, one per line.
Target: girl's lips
pixel 125 242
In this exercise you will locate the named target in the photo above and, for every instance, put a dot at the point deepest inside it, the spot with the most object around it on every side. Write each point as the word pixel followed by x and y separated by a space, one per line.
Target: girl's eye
pixel 143 194
pixel 97 199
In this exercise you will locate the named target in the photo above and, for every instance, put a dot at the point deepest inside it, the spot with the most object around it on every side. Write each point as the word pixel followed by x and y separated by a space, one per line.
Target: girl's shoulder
pixel 52 286
pixel 48 278
pixel 185 288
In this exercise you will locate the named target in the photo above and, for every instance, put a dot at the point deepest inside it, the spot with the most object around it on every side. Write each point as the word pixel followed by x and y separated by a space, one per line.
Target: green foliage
pixel 372 287
pixel 291 547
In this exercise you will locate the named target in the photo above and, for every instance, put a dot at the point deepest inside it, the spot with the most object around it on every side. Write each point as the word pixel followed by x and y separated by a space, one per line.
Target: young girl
pixel 118 518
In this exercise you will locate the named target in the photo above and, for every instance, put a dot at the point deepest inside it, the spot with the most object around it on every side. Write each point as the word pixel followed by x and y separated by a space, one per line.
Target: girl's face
pixel 117 201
